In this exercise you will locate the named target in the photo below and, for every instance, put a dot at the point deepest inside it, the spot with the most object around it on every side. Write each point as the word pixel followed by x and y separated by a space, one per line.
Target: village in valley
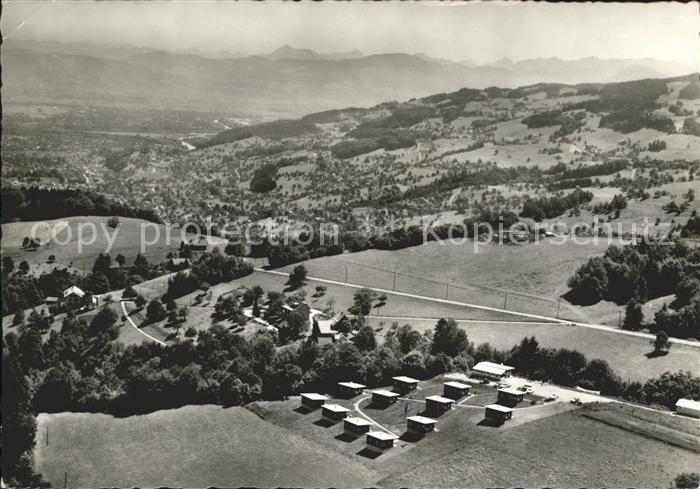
pixel 287 269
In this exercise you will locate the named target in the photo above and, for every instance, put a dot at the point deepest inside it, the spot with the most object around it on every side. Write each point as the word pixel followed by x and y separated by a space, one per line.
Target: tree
pixel 155 311
pixel 18 318
pixel 113 221
pixel 102 263
pixel 40 323
pixel 23 267
pixel 363 301
pixel 298 277
pixel 275 307
pixel 661 342
pixel 364 340
pixel 104 322
pixel 633 316
pixel 408 338
pixel 296 325
pixel 687 480
pixel 51 259
pixel 120 259
pixel 448 338
pixel 8 264
pixel 140 301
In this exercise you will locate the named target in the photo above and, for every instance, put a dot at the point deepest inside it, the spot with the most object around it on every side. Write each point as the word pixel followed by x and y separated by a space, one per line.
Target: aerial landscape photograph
pixel 431 244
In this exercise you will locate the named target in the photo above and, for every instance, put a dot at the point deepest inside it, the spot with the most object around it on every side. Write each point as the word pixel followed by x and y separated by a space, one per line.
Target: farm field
pixel 625 354
pixel 193 446
pixel 97 236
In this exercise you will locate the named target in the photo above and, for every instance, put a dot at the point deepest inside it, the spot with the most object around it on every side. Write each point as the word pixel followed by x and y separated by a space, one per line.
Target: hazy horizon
pixel 482 32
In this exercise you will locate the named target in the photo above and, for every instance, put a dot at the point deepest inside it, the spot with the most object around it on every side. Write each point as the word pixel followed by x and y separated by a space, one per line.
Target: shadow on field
pixel 367 453
pixel 303 410
pixel 656 354
pixel 377 406
pixel 490 422
pixel 411 437
pixel 346 437
pixel 325 423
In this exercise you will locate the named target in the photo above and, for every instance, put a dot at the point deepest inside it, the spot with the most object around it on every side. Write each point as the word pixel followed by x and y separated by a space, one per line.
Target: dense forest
pixel 640 272
pixel 35 204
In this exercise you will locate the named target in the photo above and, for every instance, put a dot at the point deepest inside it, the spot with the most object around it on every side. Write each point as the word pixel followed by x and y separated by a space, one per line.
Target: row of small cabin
pixel 380 441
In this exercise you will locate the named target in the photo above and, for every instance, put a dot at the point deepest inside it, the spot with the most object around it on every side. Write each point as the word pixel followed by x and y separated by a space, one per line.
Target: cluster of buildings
pixel 379 441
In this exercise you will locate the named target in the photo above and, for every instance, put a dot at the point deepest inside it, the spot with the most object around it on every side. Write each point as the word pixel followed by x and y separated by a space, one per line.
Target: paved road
pixel 547 319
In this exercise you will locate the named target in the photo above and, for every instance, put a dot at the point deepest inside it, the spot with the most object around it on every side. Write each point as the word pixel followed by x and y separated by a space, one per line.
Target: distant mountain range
pixel 284 82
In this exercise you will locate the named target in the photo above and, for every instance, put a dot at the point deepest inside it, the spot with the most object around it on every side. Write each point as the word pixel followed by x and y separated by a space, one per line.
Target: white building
pixel 688 407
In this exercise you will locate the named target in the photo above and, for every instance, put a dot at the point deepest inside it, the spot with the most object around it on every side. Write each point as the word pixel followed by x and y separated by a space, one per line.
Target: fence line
pixel 511 300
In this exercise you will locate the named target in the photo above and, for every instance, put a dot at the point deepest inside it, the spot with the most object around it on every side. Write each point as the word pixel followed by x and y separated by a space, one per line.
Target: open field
pixel 543 270
pixel 193 446
pixel 97 238
pixel 566 450
pixel 395 306
pixel 625 354
pixel 597 445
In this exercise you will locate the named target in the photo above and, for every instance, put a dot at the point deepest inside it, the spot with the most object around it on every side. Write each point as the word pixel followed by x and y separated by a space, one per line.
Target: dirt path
pixel 128 318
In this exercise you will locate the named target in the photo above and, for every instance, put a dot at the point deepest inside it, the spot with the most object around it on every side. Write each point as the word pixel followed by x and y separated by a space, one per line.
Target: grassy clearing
pixel 340 297
pixel 193 446
pixel 542 270
pixel 565 450
pixel 64 235
pixel 625 354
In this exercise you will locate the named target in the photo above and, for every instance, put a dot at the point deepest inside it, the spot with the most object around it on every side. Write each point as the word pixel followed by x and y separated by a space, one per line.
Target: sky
pixel 459 31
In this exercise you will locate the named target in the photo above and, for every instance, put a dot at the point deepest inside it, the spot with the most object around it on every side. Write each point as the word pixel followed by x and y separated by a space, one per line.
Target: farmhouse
pixel 323 331
pixel 455 390
pixel 313 400
pixel 437 405
pixel 420 425
pixel 379 442
pixel 356 426
pixel 334 412
pixel 688 407
pixel 497 413
pixel 74 297
pixel 491 371
pixel 350 389
pixel 404 384
pixel 510 397
pixel 384 397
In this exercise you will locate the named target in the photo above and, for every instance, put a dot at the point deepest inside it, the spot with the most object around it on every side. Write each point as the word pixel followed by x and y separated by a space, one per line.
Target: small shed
pixel 455 390
pixel 334 412
pixel 420 425
pixel 356 426
pixel 404 384
pixel 688 407
pixel 498 413
pixel 438 405
pixel 384 397
pixel 312 400
pixel 350 389
pixel 510 397
pixel 379 441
